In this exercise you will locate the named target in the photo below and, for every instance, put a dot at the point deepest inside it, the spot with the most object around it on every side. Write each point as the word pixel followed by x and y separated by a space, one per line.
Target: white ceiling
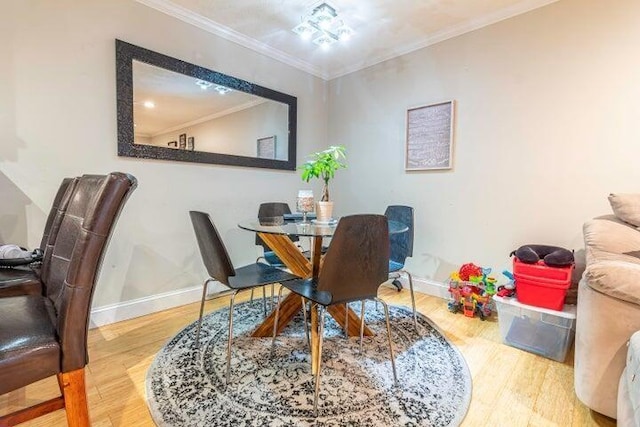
pixel 384 29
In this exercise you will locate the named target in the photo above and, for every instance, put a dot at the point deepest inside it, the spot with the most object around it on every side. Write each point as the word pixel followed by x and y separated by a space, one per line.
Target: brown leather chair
pixel 356 264
pixel 45 335
pixel 27 280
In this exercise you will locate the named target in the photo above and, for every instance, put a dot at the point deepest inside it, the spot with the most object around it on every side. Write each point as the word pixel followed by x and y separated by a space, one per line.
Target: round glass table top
pixel 298 228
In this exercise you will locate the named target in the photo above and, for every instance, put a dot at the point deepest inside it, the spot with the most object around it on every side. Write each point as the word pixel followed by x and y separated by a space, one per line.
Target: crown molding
pixel 190 17
pixel 450 32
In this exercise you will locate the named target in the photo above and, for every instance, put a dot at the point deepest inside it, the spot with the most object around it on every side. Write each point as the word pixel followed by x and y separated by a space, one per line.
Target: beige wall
pixel 58 118
pixel 546 126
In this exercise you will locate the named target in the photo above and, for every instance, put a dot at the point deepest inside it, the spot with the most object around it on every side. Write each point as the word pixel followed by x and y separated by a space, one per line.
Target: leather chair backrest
pixel 52 228
pixel 357 261
pixel 214 254
pixel 76 257
pixel 57 201
pixel 401 243
pixel 271 209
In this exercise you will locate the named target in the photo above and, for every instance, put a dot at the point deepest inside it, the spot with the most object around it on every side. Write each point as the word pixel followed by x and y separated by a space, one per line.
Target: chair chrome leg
pixel 264 303
pixel 204 296
pixel 251 297
pixel 393 362
pixel 346 320
pixel 413 301
pixel 273 287
pixel 233 297
pixel 317 392
pixel 362 325
pixel 275 321
pixel 306 329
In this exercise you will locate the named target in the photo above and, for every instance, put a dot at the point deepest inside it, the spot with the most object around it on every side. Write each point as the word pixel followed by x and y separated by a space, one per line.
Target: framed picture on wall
pixel 191 143
pixel 429 137
pixel 267 147
pixel 183 141
pixel 173 144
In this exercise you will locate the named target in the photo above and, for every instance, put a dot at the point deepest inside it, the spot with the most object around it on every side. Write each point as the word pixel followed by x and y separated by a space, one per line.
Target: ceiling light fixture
pixel 323 22
pixel 149 104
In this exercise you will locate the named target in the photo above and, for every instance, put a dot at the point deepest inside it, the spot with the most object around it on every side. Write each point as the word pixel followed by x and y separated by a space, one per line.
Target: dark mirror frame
pixel 126 53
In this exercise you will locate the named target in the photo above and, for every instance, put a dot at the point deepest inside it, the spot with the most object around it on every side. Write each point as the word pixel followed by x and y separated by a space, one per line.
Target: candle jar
pixel 304 203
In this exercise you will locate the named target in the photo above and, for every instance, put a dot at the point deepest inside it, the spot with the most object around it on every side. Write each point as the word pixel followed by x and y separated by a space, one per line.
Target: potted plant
pixel 323 165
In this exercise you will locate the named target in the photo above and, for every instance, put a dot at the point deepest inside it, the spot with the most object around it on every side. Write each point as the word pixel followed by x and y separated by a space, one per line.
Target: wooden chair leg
pixel 75 398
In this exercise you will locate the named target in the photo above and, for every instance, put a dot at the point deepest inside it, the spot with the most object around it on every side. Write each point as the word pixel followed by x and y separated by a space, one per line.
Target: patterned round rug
pixel 186 385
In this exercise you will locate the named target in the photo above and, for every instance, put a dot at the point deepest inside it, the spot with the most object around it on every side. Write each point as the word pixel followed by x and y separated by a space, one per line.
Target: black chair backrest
pixel 357 261
pixel 214 254
pixel 271 209
pixel 401 243
pixel 76 257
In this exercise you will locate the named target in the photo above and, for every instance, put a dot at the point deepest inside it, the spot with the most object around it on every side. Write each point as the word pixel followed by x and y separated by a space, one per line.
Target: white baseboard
pixel 118 312
pixel 427 286
pixel 126 310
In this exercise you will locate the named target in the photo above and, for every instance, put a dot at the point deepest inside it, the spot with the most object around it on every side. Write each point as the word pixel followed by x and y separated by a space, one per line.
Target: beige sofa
pixel 608 307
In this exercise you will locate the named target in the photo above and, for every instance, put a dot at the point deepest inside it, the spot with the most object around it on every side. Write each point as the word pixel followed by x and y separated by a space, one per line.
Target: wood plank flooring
pixel 511 387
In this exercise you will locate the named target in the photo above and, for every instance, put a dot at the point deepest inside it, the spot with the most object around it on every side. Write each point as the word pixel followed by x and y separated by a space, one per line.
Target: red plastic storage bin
pixel 540 285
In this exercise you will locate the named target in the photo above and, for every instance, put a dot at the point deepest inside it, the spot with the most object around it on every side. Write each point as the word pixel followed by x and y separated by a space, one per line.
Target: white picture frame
pixel 429 137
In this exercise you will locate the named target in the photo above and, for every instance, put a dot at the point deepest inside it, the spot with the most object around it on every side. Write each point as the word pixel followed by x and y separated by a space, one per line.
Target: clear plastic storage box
pixel 538 330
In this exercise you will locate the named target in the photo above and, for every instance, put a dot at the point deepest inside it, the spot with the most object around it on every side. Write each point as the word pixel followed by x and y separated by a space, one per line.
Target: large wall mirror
pixel 173 110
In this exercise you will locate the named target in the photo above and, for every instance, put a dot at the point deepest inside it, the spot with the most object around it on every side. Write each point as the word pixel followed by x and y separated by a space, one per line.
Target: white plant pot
pixel 324 210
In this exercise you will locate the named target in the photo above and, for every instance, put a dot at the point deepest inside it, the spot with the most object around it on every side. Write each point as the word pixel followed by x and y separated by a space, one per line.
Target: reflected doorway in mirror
pixel 191 143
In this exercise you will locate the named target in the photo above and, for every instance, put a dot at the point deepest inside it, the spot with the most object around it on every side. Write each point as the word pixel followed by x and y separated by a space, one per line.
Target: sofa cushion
pixel 609 239
pixel 618 279
pixel 626 207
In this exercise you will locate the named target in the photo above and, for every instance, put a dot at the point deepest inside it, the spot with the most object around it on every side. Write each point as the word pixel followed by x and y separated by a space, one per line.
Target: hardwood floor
pixel 510 387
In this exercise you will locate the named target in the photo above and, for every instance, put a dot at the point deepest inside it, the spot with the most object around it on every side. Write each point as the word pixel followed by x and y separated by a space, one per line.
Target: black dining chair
pixel 267 212
pixel 401 247
pixel 220 268
pixel 355 265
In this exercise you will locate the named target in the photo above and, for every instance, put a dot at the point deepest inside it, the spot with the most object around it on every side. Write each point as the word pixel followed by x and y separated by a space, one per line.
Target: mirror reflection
pixel 169 109
pixel 185 113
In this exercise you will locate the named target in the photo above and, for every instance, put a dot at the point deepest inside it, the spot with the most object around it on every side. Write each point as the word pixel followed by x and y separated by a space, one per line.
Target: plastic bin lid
pixel 568 312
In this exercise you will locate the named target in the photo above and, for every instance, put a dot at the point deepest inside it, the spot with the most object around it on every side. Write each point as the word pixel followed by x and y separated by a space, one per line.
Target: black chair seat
pixel 19 281
pixel 257 274
pixel 26 328
pixel 308 289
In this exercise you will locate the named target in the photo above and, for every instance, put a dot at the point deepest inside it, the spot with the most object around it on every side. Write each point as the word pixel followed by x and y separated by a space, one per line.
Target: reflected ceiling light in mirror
pixel 222 89
pixel 323 24
pixel 204 85
pixel 149 104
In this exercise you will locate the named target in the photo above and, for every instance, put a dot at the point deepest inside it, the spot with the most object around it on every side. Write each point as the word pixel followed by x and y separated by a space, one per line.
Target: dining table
pixel 277 233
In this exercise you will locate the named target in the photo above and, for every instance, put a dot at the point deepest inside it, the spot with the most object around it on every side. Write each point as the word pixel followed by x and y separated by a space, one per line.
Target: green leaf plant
pixel 323 165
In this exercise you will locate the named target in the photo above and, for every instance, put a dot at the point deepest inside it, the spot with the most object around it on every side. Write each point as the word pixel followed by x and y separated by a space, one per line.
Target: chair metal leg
pixel 393 362
pixel 233 297
pixel 264 301
pixel 346 320
pixel 251 297
pixel 362 325
pixel 273 287
pixel 275 321
pixel 321 333
pixel 413 300
pixel 306 329
pixel 204 296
